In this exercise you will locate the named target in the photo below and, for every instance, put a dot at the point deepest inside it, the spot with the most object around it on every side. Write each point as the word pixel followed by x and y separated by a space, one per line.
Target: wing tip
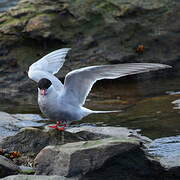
pixel 65 49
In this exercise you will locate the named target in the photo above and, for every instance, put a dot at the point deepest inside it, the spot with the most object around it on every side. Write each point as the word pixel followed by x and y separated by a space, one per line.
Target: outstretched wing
pixel 79 82
pixel 47 66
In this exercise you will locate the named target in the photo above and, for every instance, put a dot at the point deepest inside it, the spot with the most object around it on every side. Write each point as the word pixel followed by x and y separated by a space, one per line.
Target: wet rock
pixel 29 120
pixel 166 150
pixel 77 158
pixel 7 167
pixel 109 131
pixel 6 125
pixel 89 152
pixel 32 140
pixel 32 177
pixel 109 158
pixel 10 124
pixel 6 4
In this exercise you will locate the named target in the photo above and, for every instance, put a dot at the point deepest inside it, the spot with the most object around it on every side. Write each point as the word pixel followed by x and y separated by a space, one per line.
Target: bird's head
pixel 43 85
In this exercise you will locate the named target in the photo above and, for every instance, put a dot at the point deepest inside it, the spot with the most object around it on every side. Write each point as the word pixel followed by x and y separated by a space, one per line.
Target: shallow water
pixel 144 101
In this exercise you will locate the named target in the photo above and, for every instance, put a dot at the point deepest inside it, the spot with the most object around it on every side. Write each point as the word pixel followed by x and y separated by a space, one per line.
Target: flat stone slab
pixel 119 132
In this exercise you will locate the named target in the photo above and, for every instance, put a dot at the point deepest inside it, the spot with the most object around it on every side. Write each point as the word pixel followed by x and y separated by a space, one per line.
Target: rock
pixel 32 177
pixel 62 160
pixel 28 120
pixel 166 150
pixel 103 33
pixel 7 122
pixel 109 131
pixel 7 167
pixel 132 165
pixel 32 140
pixel 6 4
pixel 109 158
pixel 10 124
pixel 38 25
pixel 90 153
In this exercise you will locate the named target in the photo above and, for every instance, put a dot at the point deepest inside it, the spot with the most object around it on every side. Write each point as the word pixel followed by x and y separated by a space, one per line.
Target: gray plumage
pixel 65 102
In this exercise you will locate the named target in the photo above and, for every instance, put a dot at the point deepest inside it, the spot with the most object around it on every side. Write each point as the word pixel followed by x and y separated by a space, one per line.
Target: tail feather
pixel 107 111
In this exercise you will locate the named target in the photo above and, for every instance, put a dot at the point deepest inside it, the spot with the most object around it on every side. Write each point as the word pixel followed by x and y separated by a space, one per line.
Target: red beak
pixel 43 92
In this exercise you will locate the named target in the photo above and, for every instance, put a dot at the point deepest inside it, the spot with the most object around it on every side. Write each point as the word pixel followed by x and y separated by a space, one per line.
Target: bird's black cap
pixel 44 83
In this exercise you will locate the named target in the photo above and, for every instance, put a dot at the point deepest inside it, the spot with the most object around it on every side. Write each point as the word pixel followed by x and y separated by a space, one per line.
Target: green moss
pixel 17 16
pixel 11 21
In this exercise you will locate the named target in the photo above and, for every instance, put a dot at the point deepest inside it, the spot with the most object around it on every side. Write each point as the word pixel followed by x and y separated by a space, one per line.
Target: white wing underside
pixel 47 66
pixel 79 82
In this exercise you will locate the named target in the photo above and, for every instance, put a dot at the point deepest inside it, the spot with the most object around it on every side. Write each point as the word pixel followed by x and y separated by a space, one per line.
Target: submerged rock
pixel 7 167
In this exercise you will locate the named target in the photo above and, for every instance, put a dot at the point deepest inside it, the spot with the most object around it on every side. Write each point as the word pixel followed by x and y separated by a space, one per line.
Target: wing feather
pixel 79 82
pixel 47 66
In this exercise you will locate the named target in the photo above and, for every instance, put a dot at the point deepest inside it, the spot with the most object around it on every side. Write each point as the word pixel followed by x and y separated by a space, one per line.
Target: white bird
pixel 64 103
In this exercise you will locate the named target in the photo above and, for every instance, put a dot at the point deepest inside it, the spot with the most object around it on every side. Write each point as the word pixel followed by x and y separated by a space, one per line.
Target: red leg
pixel 59 123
